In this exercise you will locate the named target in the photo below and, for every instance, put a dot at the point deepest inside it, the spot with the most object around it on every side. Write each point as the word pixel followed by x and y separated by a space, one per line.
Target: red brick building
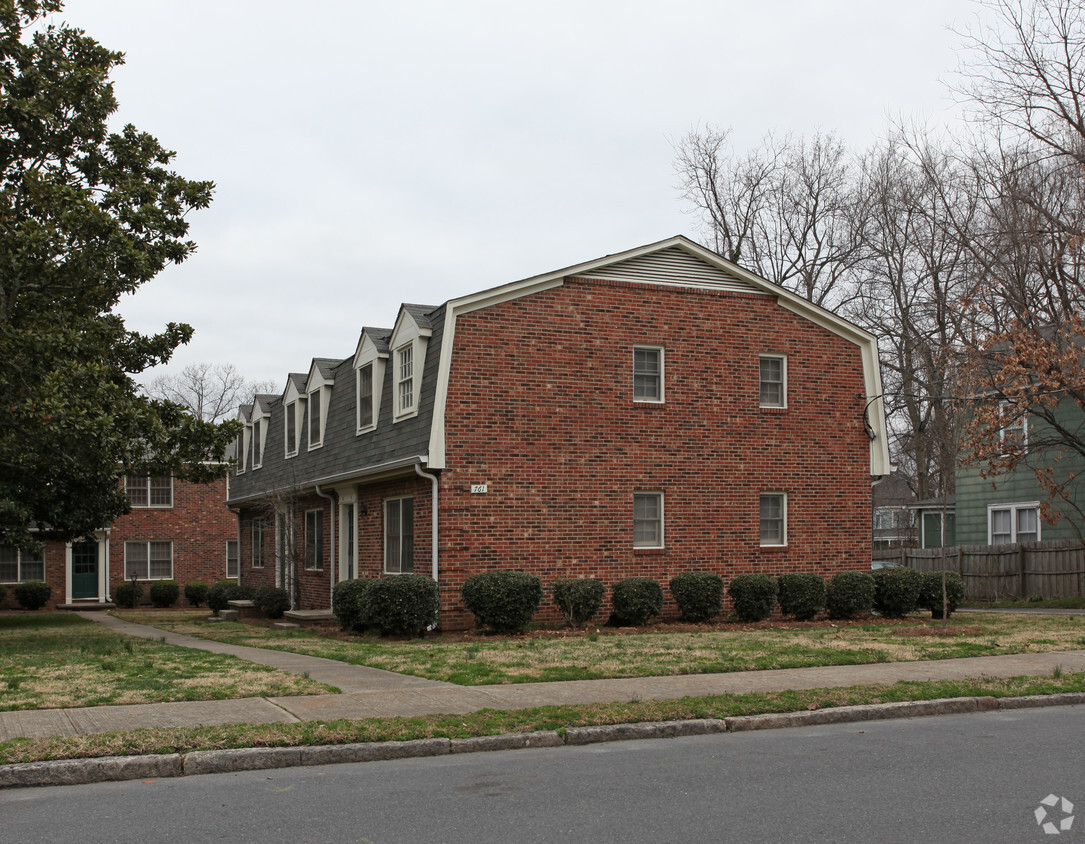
pixel 176 531
pixel 651 412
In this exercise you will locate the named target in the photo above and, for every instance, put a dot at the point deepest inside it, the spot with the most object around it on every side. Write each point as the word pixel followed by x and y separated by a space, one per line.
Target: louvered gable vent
pixel 673 266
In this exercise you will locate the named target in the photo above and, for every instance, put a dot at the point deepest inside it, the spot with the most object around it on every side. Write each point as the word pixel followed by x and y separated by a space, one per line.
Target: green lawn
pixel 562 656
pixel 57 660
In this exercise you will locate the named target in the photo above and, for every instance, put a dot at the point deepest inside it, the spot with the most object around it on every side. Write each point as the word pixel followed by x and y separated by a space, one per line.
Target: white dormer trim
pixel 258 423
pixel 408 351
pixel 318 392
pixel 369 355
pixel 243 444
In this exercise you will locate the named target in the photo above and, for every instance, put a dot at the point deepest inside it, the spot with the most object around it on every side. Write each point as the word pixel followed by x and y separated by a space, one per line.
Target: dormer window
pixel 257 444
pixel 316 420
pixel 243 447
pixel 365 396
pixel 290 411
pixel 405 379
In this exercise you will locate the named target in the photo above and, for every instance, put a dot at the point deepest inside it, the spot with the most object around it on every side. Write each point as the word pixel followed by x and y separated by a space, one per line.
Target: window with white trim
pixel 647 374
pixel 773 380
pixel 1009 523
pixel 314 539
pixel 290 412
pixel 316 419
pixel 148 560
pixel 399 535
pixel 647 519
pixel 258 543
pixel 149 490
pixel 773 518
pixel 18 565
pixel 233 558
pixel 365 397
pixel 405 399
pixel 1013 433
pixel 257 444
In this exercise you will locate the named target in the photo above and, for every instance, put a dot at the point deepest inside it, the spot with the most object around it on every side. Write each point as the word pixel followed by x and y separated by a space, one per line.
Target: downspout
pixel 433 518
pixel 333 540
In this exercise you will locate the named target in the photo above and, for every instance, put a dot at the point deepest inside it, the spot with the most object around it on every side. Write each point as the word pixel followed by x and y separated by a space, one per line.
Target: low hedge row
pixel 404 605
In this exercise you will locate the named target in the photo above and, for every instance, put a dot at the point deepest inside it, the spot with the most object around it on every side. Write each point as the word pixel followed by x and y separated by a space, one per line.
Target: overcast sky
pixel 367 154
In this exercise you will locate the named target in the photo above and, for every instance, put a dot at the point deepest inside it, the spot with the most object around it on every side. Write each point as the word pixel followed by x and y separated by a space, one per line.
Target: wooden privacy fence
pixel 1051 570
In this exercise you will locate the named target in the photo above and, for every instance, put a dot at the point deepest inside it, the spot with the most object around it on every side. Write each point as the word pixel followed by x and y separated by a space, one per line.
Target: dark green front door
pixel 84 570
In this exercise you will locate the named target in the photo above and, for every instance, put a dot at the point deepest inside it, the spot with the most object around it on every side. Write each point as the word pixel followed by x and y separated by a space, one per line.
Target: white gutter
pixel 433 518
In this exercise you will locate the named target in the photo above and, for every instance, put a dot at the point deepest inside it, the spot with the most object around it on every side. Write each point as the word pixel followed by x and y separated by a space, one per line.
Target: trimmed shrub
pixel 896 591
pixel 164 593
pixel 196 593
pixel 503 601
pixel 405 604
pixel 699 595
pixel 636 599
pixel 33 594
pixel 802 594
pixel 850 593
pixel 224 591
pixel 930 592
pixel 754 596
pixel 271 601
pixel 128 593
pixel 350 604
pixel 578 599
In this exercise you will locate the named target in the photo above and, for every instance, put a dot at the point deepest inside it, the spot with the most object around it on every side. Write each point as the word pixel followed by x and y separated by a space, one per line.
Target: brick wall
pixel 198 525
pixel 540 409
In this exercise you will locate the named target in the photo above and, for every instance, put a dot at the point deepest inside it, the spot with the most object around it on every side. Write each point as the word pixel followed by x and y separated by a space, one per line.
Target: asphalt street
pixel 978 777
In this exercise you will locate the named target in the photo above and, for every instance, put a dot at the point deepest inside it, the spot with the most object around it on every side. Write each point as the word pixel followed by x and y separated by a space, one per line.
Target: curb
pixel 118 768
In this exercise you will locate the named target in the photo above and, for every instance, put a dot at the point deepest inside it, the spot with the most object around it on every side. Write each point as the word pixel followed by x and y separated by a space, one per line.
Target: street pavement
pixel 371 693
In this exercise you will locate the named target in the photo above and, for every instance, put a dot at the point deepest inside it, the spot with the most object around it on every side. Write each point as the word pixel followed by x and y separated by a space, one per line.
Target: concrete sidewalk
pixel 370 692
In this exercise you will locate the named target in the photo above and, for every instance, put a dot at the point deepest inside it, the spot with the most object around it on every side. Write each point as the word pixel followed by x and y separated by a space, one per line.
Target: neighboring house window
pixel 647 374
pixel 405 378
pixel 233 558
pixel 17 565
pixel 773 380
pixel 648 520
pixel 148 560
pixel 257 543
pixel 399 535
pixel 1013 435
pixel 365 396
pixel 1008 523
pixel 291 429
pixel 257 446
pixel 316 434
pixel 773 518
pixel 314 539
pixel 147 491
pixel 242 439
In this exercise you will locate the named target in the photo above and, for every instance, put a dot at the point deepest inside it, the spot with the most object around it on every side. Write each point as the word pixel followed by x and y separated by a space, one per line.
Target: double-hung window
pixel 773 380
pixel 17 565
pixel 1013 433
pixel 316 433
pixel 257 543
pixel 399 535
pixel 405 378
pixel 314 539
pixel 1008 523
pixel 365 396
pixel 257 444
pixel 149 491
pixel 647 519
pixel 647 374
pixel 290 411
pixel 773 518
pixel 233 558
pixel 148 560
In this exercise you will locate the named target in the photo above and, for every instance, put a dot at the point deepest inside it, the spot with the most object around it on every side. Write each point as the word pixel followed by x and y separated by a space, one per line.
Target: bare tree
pixel 210 391
pixel 787 211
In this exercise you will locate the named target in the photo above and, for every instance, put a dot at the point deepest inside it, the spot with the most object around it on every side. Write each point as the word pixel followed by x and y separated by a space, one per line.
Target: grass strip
pixel 726 647
pixel 489 722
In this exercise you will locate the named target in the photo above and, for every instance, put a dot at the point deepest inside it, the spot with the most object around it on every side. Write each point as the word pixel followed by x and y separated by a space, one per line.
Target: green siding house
pixel 1006 508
